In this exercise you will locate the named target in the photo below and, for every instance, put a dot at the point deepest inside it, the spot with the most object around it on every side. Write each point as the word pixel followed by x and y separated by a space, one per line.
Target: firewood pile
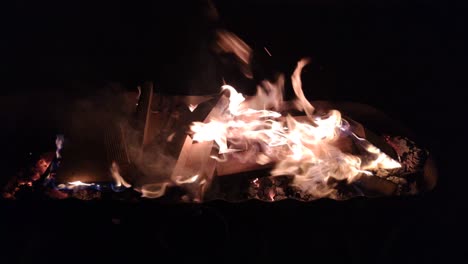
pixel 197 174
pixel 227 146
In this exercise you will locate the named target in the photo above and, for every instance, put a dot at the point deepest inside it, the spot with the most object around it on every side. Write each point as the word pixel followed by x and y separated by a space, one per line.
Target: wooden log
pixel 169 118
pixel 236 166
pixel 143 112
pixel 195 157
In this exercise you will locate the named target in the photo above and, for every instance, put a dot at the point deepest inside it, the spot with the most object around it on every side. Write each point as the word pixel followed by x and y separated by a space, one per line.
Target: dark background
pixel 403 57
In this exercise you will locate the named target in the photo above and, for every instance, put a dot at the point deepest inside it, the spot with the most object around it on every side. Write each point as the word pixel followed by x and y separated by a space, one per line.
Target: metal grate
pixel 115 145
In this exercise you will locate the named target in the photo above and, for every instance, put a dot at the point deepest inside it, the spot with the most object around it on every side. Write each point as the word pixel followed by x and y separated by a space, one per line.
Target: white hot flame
pixel 79 183
pixel 59 145
pixel 305 148
pixel 192 107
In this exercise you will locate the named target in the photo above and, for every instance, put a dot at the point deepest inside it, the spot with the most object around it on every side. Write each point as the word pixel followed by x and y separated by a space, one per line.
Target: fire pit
pixel 158 172
pixel 230 147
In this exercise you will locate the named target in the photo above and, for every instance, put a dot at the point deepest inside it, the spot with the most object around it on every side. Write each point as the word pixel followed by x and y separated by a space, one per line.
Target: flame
pixel 170 137
pixel 119 180
pixel 153 190
pixel 59 145
pixel 230 43
pixel 192 107
pixel 305 148
pixel 271 194
pixel 302 103
pixel 79 183
pixel 192 179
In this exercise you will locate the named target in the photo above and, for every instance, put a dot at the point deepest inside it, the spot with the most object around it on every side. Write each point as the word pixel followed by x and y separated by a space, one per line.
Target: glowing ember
pixel 255 182
pixel 301 147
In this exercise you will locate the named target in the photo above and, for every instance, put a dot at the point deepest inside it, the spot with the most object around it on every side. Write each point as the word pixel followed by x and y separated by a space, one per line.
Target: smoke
pixel 153 162
pixel 109 110
pixel 92 113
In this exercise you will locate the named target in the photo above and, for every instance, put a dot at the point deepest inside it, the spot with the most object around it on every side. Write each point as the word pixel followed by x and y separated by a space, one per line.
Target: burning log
pixel 246 180
pixel 322 154
pixel 278 190
pixel 237 164
pixel 170 119
pixel 195 163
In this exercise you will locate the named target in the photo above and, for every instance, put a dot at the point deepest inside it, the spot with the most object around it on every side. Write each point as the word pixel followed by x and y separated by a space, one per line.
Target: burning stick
pixel 195 163
pixel 234 163
pixel 143 112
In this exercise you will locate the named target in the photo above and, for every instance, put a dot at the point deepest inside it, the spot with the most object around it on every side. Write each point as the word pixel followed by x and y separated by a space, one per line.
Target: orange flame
pixel 153 190
pixel 79 183
pixel 230 43
pixel 300 147
pixel 119 180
